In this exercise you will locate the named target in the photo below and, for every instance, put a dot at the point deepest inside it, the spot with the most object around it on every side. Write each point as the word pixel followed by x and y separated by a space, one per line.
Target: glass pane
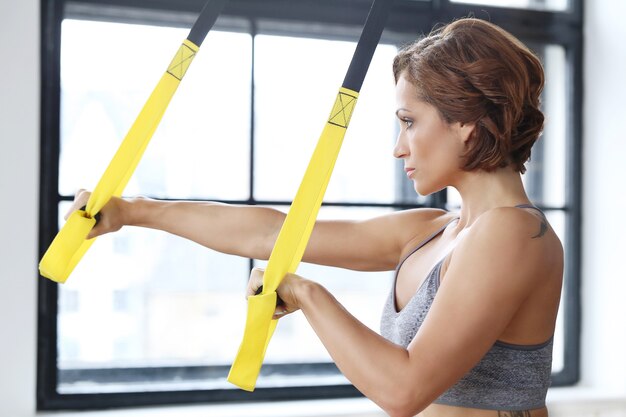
pixel 454 199
pixel 521 4
pixel 108 70
pixel 146 298
pixel 557 220
pixel 361 293
pixel 545 178
pixel 296 83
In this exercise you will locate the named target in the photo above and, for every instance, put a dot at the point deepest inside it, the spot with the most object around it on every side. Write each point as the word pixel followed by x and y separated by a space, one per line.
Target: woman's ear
pixel 464 130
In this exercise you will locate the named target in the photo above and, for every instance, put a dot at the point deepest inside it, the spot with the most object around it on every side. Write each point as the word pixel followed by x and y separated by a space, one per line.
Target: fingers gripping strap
pixel 291 243
pixel 70 245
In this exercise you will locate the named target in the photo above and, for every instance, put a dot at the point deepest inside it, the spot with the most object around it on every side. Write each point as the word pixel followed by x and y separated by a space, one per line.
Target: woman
pixel 467 329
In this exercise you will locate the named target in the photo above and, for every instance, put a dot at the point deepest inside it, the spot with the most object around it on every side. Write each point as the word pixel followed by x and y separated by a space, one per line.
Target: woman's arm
pixel 492 272
pixel 241 230
pixel 251 231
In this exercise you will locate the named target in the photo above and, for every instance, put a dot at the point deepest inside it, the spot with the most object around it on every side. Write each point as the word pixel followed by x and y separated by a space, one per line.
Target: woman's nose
pixel 399 150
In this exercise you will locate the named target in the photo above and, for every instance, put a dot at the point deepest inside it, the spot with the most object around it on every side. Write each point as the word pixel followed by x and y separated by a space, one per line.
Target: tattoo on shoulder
pixel 542 230
pixel 524 413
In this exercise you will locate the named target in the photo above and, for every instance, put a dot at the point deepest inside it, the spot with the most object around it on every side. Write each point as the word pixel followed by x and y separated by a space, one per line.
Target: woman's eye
pixel 407 123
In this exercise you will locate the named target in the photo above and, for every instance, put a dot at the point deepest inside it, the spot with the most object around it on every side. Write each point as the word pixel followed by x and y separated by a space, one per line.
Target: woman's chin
pixel 425 189
pixel 421 189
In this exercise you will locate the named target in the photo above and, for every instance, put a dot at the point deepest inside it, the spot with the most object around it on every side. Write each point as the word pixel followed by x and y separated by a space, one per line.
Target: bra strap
pixel 530 206
pixel 428 239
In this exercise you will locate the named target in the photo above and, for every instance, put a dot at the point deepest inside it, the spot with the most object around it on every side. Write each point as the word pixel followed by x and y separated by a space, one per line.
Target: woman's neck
pixel 482 191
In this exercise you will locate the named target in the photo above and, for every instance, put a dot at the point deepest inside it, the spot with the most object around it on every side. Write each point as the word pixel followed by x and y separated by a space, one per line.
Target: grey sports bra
pixel 508 377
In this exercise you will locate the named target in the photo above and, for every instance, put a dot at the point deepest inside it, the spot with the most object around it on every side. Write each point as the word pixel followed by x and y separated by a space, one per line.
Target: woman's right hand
pixel 111 217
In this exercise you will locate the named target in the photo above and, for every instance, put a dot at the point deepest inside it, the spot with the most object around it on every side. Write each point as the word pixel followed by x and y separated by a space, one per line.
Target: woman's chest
pixel 415 272
pixel 401 325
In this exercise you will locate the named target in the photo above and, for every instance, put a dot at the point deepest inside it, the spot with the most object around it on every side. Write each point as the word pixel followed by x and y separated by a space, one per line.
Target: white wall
pixel 602 391
pixel 19 170
pixel 604 335
pixel 603 382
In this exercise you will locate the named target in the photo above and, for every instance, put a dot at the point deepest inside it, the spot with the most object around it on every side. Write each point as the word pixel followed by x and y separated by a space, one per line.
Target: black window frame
pixel 408 18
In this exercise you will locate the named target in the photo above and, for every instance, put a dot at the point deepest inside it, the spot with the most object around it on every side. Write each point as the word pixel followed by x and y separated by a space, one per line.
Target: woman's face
pixel 429 146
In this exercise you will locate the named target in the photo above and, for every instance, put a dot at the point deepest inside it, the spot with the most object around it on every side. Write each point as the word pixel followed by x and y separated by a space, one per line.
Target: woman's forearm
pixel 248 231
pixel 374 365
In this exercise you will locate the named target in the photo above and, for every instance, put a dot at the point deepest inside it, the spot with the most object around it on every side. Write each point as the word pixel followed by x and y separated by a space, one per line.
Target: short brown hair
pixel 473 71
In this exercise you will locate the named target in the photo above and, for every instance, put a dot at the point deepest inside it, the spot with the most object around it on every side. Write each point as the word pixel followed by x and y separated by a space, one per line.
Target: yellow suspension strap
pixel 298 225
pixel 70 244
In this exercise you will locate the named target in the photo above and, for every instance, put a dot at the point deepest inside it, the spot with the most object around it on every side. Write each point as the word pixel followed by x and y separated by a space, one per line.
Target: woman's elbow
pixel 399 413
pixel 404 402
pixel 401 410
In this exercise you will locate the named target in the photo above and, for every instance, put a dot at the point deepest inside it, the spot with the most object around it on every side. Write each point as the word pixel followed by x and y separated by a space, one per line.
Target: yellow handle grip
pixel 68 247
pixel 259 330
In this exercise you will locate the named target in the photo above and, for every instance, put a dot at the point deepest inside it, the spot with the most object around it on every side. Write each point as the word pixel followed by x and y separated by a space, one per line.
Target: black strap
pixel 367 45
pixel 205 21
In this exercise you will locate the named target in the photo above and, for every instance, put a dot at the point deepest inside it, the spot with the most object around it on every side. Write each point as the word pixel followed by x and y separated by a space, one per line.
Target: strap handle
pixel 70 244
pixel 298 225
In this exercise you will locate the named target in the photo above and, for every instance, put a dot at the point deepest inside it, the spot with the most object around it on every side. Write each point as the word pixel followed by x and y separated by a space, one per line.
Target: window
pixel 136 325
pixel 522 4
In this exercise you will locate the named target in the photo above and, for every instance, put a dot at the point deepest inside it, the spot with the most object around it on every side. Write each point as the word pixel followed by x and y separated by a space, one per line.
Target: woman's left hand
pixel 287 291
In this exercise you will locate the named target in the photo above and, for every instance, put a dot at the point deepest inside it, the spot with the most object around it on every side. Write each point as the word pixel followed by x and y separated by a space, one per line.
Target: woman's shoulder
pixel 514 223
pixel 521 237
pixel 426 215
pixel 417 224
pixel 419 220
